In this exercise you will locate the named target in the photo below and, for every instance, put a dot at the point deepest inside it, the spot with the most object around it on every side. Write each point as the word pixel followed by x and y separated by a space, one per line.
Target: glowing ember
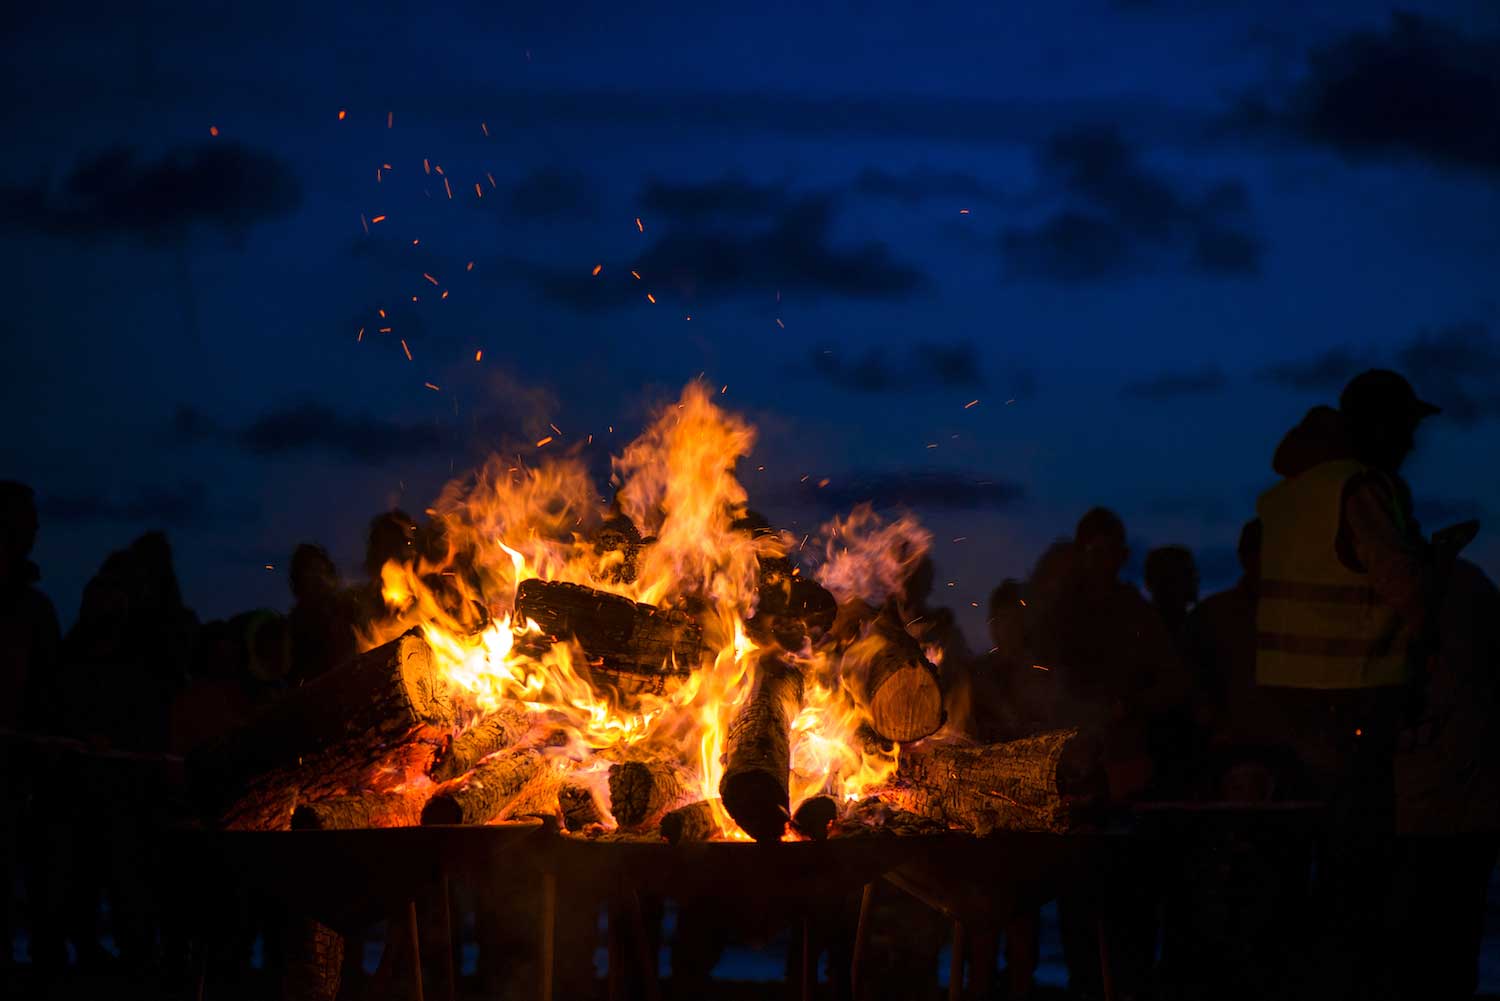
pixel 507 523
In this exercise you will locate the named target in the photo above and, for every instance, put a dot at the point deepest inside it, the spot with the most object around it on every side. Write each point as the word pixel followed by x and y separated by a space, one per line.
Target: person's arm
pixel 1394 559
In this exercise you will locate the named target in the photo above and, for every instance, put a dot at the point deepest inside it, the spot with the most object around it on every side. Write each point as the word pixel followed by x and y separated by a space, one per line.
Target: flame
pixel 508 522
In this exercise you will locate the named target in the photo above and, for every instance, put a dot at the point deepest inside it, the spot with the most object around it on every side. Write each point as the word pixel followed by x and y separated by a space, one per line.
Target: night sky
pixel 1145 236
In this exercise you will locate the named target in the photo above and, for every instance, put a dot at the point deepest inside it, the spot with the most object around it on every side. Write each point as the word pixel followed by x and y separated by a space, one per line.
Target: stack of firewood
pixel 379 742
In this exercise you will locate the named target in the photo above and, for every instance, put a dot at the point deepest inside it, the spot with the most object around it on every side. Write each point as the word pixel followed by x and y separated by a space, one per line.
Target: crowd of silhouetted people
pixel 1348 682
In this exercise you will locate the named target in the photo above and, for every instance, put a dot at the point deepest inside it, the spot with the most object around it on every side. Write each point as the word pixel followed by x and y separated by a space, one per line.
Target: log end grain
pixel 909 705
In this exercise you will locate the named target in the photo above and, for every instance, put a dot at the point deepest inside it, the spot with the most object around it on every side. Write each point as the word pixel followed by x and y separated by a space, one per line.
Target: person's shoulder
pixel 38 606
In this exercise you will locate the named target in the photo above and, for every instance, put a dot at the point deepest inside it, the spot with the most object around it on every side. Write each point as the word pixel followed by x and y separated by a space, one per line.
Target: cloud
pixel 921 489
pixel 1418 87
pixel 1172 385
pixel 550 192
pixel 170 506
pixel 920 184
pixel 313 427
pixel 1325 372
pixel 954 364
pixel 223 186
pixel 1117 218
pixel 777 242
pixel 1456 367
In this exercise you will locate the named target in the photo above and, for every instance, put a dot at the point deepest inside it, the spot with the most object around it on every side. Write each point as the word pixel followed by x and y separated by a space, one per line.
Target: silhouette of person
pixel 1341 622
pixel 1171 577
pixel 1118 672
pixel 28 672
pixel 1447 769
pixel 321 622
pixel 392 538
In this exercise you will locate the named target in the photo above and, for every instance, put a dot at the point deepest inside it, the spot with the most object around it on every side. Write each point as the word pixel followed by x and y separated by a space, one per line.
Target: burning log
pixel 508 784
pixel 814 816
pixel 694 822
pixel 789 606
pixel 576 802
pixel 360 810
pixel 641 792
pixel 634 647
pixel 334 728
pixel 892 676
pixel 1019 785
pixel 757 756
pixel 500 729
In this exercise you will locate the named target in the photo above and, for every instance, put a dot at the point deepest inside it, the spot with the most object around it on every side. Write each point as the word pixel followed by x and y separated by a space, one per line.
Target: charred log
pixel 641 792
pixel 1030 784
pixel 632 647
pixel 500 729
pixel 694 822
pixel 757 757
pixel 814 816
pixel 790 607
pixel 512 783
pixel 578 805
pixel 892 677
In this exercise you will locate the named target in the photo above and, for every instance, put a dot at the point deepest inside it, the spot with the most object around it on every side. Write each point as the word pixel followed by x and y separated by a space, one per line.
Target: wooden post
pixel 549 932
pixel 956 964
pixel 861 937
pixel 414 949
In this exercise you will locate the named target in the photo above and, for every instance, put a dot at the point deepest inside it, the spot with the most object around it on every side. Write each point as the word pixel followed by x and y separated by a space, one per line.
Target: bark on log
pixel 893 679
pixel 757 757
pixel 790 606
pixel 346 719
pixel 511 783
pixel 500 729
pixel 1019 785
pixel 641 792
pixel 361 810
pixel 694 822
pixel 631 647
pixel 814 816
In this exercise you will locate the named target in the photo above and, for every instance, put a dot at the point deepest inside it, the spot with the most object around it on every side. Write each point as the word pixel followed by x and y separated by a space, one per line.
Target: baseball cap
pixel 1383 393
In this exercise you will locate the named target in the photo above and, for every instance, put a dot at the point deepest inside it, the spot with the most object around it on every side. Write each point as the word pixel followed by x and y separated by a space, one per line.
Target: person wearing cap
pixel 1341 610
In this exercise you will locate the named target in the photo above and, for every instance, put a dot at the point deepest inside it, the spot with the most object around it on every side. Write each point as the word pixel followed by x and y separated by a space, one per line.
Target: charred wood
pixel 757 757
pixel 815 816
pixel 514 782
pixel 694 822
pixel 892 677
pixel 641 792
pixel 500 729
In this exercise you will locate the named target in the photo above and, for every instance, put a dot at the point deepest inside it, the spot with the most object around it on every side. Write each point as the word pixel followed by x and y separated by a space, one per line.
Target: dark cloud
pixel 924 489
pixel 1417 87
pixel 874 370
pixel 313 427
pixel 550 192
pixel 1456 367
pixel 223 186
pixel 920 184
pixel 1205 381
pixel 779 243
pixel 166 506
pixel 1119 218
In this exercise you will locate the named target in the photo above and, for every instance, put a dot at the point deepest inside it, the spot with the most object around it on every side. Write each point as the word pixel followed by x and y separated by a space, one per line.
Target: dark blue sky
pixel 1144 235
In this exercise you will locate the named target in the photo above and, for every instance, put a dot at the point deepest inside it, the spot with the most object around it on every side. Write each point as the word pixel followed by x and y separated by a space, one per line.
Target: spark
pixel 780 324
pixel 365 223
pixel 447 187
pixel 386 330
pixel 932 445
pixel 963 211
pixel 598 268
pixel 640 225
pixel 971 403
pixel 270 566
pixel 361 336
pixel 823 483
pixel 636 275
pixel 432 387
pixel 543 441
pixel 1010 401
pixel 406 349
pixel 478 190
pixel 439 168
pixel 381 312
pixel 377 219
pixel 960 538
pixel 651 298
pixel 429 278
pixel 426 167
pixel 479 355
pixel 491 177
pixel 470 267
pixel 484 128
pixel 1039 667
pixel 724 389
pixel 342 113
pixel 390 119
pixel 213 130
pixel 444 295
pixel 415 242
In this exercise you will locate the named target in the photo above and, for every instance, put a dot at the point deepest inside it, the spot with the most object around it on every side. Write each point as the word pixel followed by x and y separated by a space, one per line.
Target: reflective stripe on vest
pixel 1318 623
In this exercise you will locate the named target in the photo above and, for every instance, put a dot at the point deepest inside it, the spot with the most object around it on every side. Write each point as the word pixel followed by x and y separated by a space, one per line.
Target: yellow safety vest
pixel 1318 623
